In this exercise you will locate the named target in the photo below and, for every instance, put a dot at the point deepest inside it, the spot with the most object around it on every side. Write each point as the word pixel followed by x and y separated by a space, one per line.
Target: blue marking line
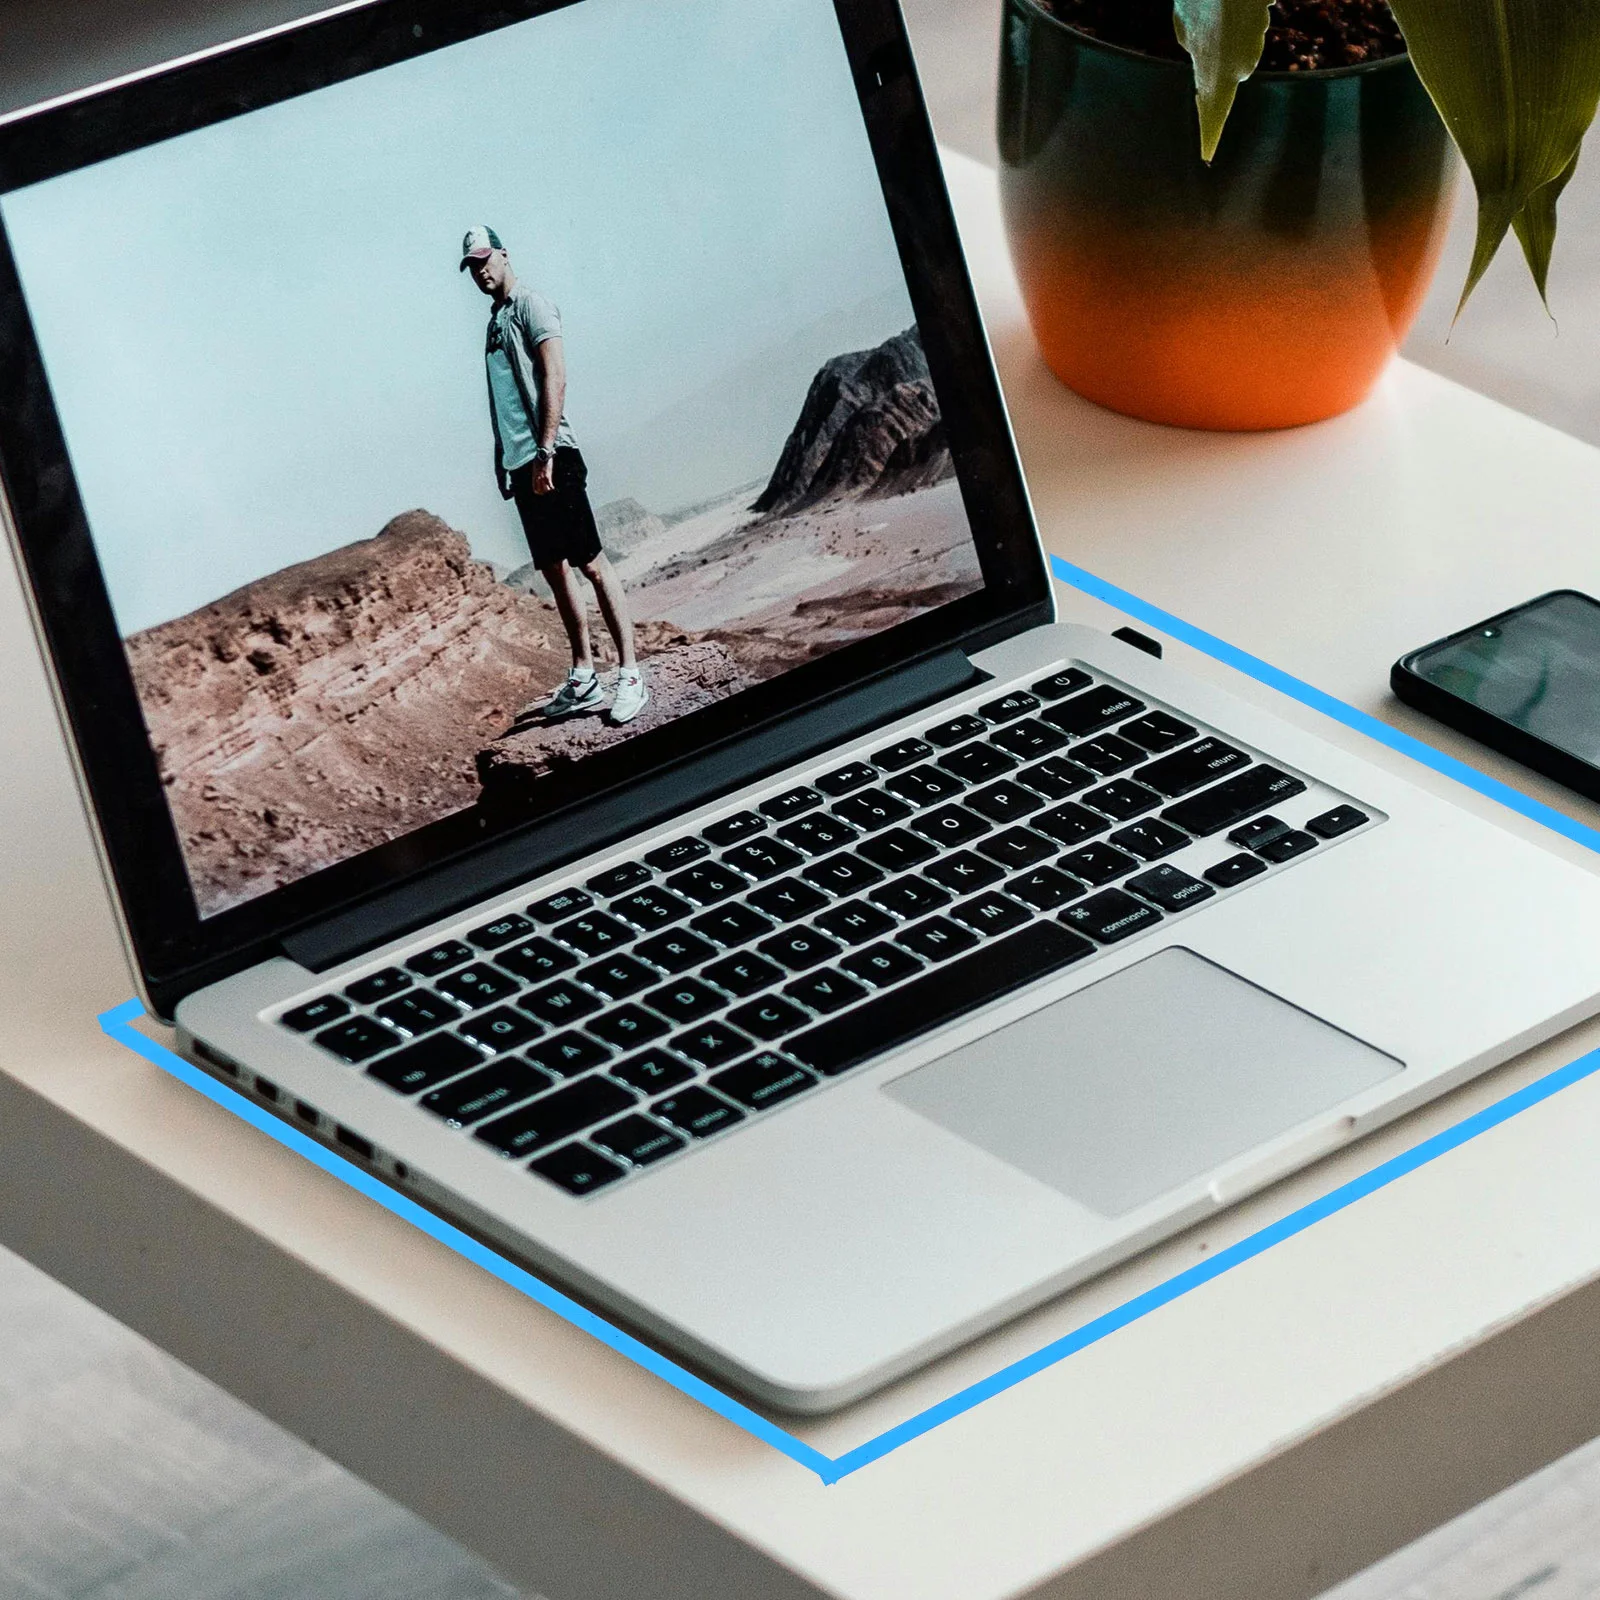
pixel 118 1024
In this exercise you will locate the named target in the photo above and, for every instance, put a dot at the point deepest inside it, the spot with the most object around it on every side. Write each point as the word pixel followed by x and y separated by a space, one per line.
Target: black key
pixel 577 1169
pixel 921 786
pixel 946 992
pixel 825 991
pixel 1232 800
pixel 628 1027
pixel 420 1066
pixel 669 857
pixel 421 1011
pixel 478 985
pixel 937 939
pixel 712 1044
pixel 905 754
pixel 687 1000
pixel 764 1080
pixel 1004 802
pixel 563 904
pixel 1258 832
pixel 730 830
pixel 707 883
pixel 1170 889
pixel 377 986
pixel 964 872
pixel 325 1008
pixel 1089 713
pixel 1045 889
pixel 1009 707
pixel 619 880
pixel 1342 819
pixel 855 922
pixel 909 897
pixel 1057 777
pixel 977 763
pixel 1122 798
pixel 1097 864
pixel 733 925
pixel 770 1018
pixel 991 914
pixel 594 934
pixel 677 952
pixel 619 976
pixel 843 874
pixel 1286 846
pixel 503 930
pixel 560 1003
pixel 951 825
pixel 1150 839
pixel 1186 770
pixel 896 850
pixel 566 1055
pixel 359 1039
pixel 650 909
pixel 537 959
pixel 799 948
pixel 788 900
pixel 557 1115
pixel 957 731
pixel 763 858
pixel 880 965
pixel 1108 755
pixel 1110 916
pixel 1234 871
pixel 638 1139
pixel 652 1070
pixel 1060 684
pixel 440 959
pixel 501 1029
pixel 1157 732
pixel 1070 824
pixel 844 780
pixel 1016 848
pixel 782 807
pixel 697 1112
pixel 744 974
pixel 1028 740
pixel 872 809
pixel 479 1094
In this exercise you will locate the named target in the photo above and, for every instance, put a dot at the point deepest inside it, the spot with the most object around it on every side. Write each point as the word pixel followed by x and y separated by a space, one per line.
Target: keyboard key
pixel 325 1008
pixel 594 934
pixel 825 991
pixel 799 948
pixel 556 1116
pixel 503 930
pixel 764 1080
pixel 678 951
pixel 536 960
pixel 563 904
pixel 1258 832
pixel 1232 800
pixel 1009 707
pixel 1110 916
pixel 1016 848
pixel 707 883
pixel 500 1029
pixel 1056 777
pixel 855 922
pixel 650 909
pixel 619 880
pixel 763 858
pixel 937 939
pixel 1108 756
pixel 964 872
pixel 377 986
pixel 480 1094
pixel 712 1044
pixel 896 850
pixel 1060 684
pixel 843 874
pixel 419 1012
pixel 680 853
pixel 566 1055
pixel 697 1112
pixel 1342 819
pixel 872 809
pixel 783 807
pixel 440 958
pixel 420 1066
pixel 1169 888
pixel 952 825
pixel 729 926
pixel 957 731
pixel 743 974
pixel 818 835
pixel 1044 888
pixel 949 990
pixel 652 1070
pixel 1004 802
pixel 628 1027
pixel 789 900
pixel 846 779
pixel 978 763
pixel 1070 824
pixel 1028 740
pixel 770 1018
pixel 687 1000
pixel 1157 732
pixel 478 985
pixel 921 786
pixel 619 976
pixel 1286 846
pixel 1150 839
pixel 1235 870
pixel 561 1003
pixel 991 914
pixel 577 1169
pixel 880 965
pixel 638 1139
pixel 359 1039
pixel 1122 798
pixel 909 897
pixel 905 754
pixel 730 830
pixel 1097 864
pixel 1088 713
pixel 1193 768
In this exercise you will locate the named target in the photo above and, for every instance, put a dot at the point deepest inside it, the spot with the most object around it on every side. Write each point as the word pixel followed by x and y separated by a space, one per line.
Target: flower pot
pixel 1266 290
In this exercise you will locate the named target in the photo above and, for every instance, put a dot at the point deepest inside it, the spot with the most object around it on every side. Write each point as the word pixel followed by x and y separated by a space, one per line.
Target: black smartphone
pixel 1526 683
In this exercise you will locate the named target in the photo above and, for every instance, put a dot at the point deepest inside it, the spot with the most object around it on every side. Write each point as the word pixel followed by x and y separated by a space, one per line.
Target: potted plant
pixel 1226 214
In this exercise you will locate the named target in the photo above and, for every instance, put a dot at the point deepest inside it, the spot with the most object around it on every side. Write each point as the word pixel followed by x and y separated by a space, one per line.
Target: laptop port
pixel 215 1058
pixel 268 1091
pixel 353 1141
pixel 306 1113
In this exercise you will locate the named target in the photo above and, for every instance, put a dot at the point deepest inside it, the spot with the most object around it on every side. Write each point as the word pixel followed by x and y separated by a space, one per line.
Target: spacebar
pixel 937 998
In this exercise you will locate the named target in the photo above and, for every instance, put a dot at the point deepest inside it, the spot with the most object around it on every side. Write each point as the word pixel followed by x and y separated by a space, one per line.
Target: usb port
pixel 353 1141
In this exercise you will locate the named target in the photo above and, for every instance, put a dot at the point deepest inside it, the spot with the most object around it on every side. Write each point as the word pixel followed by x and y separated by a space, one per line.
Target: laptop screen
pixel 444 428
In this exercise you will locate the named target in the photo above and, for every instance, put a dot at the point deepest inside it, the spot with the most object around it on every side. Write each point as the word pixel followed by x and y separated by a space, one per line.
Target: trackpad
pixel 1143 1081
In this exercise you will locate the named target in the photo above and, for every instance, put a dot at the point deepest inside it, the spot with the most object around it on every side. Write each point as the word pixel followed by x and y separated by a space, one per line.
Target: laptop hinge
pixel 603 820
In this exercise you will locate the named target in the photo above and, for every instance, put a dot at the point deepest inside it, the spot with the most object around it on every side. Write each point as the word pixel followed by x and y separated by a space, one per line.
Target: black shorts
pixel 560 525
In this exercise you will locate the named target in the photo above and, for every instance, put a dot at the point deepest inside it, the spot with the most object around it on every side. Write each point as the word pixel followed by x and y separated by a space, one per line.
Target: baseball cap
pixel 479 243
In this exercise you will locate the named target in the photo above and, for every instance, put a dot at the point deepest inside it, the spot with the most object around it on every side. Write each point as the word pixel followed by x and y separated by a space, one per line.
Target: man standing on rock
pixel 538 465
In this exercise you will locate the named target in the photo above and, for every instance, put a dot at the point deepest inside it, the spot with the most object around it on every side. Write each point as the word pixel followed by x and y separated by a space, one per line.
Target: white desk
pixel 1260 1437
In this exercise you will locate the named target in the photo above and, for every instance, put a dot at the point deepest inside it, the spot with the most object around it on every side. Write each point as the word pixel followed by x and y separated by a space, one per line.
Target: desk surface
pixel 1262 1436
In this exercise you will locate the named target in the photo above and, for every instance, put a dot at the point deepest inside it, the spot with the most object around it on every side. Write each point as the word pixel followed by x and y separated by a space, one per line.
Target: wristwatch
pixel 545 453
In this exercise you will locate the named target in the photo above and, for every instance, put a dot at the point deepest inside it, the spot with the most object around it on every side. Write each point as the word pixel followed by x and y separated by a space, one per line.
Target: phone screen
pixel 1537 668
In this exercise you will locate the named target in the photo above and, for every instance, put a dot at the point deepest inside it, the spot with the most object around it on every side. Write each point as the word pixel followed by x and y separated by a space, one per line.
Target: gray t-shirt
pixel 516 329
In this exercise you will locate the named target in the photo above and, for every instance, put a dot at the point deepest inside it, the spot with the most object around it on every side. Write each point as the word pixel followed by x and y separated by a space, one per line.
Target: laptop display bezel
pixel 175 948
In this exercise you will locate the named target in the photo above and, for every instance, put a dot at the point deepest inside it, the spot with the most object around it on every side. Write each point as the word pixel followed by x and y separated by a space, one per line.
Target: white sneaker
pixel 631 696
pixel 581 692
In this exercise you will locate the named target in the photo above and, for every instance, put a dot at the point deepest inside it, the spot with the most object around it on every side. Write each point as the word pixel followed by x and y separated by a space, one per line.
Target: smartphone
pixel 1526 683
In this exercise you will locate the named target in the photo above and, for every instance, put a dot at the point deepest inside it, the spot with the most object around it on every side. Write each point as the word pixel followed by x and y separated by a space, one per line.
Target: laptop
pixel 520 515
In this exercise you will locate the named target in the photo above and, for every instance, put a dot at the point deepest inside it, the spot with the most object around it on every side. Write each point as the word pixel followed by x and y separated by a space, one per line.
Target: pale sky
pixel 262 348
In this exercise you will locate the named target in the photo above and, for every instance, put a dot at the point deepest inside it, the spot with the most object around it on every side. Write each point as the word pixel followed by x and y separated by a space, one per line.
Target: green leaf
pixel 1224 37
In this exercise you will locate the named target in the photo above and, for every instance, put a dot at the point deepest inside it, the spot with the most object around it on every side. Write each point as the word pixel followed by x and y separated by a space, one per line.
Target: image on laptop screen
pixel 307 363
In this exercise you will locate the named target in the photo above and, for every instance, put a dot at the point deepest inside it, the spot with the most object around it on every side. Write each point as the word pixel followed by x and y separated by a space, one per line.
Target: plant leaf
pixel 1224 38
pixel 1517 83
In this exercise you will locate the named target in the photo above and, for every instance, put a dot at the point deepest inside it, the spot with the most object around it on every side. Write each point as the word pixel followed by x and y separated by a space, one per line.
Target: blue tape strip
pixel 118 1024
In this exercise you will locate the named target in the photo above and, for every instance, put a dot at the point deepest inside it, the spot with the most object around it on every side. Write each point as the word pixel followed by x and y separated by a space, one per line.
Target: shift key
pixel 555 1116
pixel 1232 801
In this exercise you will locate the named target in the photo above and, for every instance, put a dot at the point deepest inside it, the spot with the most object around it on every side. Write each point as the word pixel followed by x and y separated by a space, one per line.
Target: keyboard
pixel 624 1019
